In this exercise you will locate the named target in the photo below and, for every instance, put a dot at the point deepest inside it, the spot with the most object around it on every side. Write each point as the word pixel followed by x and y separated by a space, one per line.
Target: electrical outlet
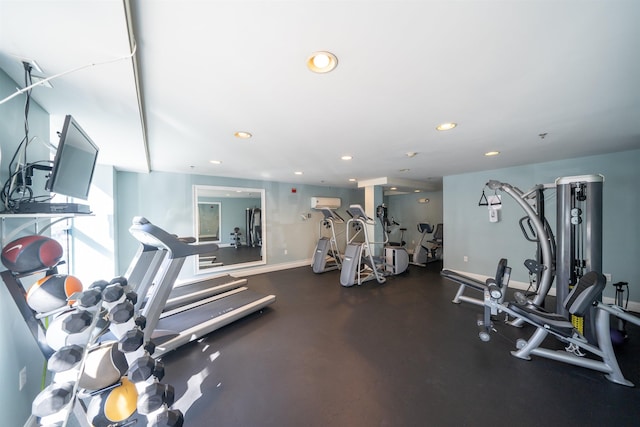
pixel 465 258
pixel 608 276
pixel 22 378
pixel 286 251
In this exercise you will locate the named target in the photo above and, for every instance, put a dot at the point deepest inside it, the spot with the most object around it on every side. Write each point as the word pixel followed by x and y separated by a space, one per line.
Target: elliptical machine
pixel 326 256
pixel 362 261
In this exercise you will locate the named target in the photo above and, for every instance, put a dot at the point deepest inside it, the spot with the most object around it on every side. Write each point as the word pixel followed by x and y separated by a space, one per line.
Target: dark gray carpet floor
pixel 398 354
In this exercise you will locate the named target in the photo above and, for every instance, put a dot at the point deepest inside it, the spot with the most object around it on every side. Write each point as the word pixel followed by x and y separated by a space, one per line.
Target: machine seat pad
pixel 552 321
pixel 464 280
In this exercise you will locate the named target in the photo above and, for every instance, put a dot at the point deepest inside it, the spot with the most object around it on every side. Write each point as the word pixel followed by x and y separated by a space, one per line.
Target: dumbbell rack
pixel 36 327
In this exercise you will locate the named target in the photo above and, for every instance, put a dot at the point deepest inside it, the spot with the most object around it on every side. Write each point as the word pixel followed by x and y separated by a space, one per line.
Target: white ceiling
pixel 505 71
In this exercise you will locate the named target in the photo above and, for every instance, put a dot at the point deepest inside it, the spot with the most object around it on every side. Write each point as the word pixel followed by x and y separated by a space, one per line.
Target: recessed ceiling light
pixel 215 162
pixel 491 153
pixel 412 154
pixel 242 135
pixel 322 62
pixel 446 126
pixel 404 170
pixel 298 172
pixel 346 157
pixel 352 180
pixel 417 191
pixel 393 188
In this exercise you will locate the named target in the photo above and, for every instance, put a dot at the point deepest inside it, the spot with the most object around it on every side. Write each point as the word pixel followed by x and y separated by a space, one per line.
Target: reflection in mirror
pixel 208 222
pixel 232 217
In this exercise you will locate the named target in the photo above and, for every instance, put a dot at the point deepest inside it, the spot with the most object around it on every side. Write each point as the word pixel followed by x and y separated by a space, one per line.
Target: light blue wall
pixel 165 199
pixel 406 210
pixel 18 346
pixel 468 231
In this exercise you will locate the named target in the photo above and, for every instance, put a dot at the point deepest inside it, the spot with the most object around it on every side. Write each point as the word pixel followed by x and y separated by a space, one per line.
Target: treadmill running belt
pixel 195 316
pixel 179 291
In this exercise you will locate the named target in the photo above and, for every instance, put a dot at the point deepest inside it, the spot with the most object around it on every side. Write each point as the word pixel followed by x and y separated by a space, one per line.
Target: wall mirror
pixel 232 217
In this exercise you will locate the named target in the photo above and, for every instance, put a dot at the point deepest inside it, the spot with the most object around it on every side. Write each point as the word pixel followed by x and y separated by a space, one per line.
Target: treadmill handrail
pixel 151 235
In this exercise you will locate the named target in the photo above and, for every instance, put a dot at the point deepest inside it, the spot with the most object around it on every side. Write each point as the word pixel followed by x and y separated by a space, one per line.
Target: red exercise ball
pixel 31 253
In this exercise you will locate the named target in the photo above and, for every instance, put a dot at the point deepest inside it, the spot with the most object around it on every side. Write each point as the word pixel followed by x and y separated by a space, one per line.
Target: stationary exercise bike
pixel 428 250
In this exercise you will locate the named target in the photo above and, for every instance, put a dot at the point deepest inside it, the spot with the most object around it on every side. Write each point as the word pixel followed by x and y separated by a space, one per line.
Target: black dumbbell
pixel 154 397
pixel 112 293
pixel 52 399
pixel 131 340
pixel 141 321
pixel 150 347
pixel 121 312
pixel 168 418
pixel 144 367
pixel 77 321
pixel 65 358
pixel 131 296
pixel 99 284
pixel 89 298
pixel 120 280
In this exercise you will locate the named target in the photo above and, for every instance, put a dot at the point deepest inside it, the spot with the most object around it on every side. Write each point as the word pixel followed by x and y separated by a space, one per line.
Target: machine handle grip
pixel 531 238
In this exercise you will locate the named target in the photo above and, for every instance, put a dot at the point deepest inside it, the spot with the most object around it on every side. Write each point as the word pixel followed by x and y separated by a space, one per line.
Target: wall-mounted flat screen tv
pixel 74 162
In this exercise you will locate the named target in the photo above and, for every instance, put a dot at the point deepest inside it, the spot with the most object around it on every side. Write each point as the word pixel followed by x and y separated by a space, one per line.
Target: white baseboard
pixel 634 306
pixel 271 267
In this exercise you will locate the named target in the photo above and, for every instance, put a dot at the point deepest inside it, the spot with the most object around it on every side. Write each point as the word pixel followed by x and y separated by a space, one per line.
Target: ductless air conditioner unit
pixel 325 202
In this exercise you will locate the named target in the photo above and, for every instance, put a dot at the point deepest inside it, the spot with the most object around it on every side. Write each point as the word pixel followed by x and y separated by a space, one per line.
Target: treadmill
pixel 149 260
pixel 185 319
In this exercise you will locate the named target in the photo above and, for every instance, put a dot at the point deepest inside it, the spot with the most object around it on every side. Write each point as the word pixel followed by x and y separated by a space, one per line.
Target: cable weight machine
pixel 579 240
pixel 577 246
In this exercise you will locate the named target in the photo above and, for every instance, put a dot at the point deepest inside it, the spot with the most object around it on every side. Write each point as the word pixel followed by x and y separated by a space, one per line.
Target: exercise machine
pixel 503 274
pixel 587 293
pixel 579 237
pixel 204 260
pixel 395 254
pixel 254 227
pixel 326 256
pixel 387 224
pixel 539 229
pixel 172 328
pixel 208 261
pixel 235 237
pixel 366 259
pixel 150 260
pixel 437 242
pixel 428 250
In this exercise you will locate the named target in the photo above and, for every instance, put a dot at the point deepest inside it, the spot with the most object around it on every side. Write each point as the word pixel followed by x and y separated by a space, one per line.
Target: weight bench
pixel 503 273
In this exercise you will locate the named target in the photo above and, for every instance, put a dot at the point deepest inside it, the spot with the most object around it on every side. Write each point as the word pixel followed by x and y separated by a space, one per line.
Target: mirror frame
pixel 198 189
